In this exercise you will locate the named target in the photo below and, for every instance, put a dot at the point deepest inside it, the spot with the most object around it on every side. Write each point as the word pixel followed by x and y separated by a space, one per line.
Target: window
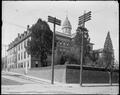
pixel 67 44
pixel 28 54
pixel 24 64
pixel 60 42
pixel 14 50
pixel 27 41
pixel 9 60
pixel 24 43
pixel 24 54
pixel 28 63
pixel 21 46
pixel 18 56
pixel 64 43
pixel 12 59
pixel 21 64
pixel 21 56
pixel 17 47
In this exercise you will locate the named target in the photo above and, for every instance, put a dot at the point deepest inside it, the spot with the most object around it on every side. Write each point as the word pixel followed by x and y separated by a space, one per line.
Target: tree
pixel 86 41
pixel 71 58
pixel 108 55
pixel 40 44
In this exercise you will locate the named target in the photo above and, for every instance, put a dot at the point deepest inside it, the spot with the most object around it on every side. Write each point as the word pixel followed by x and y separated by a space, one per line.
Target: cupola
pixel 66 27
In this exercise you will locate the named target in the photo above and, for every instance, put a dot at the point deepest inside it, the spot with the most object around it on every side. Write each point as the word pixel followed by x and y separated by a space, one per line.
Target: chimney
pixel 18 35
pixel 28 27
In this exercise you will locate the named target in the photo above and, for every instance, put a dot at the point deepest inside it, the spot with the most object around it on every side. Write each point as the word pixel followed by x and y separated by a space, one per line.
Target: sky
pixel 16 15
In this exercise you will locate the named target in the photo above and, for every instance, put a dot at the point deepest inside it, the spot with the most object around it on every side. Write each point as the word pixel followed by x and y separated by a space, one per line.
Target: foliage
pixel 63 59
pixel 41 41
pixel 86 41
pixel 100 62
pixel 108 59
pixel 57 59
pixel 108 54
pixel 69 58
pixel 93 59
pixel 72 59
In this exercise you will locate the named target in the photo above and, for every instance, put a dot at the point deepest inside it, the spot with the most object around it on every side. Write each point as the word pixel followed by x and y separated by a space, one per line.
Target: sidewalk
pixel 32 78
pixel 42 74
pixel 36 79
pixel 57 87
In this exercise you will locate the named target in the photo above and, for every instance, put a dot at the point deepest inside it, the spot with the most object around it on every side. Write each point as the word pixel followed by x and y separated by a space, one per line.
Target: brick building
pixel 18 57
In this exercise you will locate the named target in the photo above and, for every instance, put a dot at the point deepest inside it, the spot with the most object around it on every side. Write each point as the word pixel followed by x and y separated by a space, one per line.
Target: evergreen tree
pixel 108 53
pixel 86 40
pixel 108 56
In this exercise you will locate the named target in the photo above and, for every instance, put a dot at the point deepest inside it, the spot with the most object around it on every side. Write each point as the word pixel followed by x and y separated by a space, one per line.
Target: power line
pixel 10 23
pixel 4 45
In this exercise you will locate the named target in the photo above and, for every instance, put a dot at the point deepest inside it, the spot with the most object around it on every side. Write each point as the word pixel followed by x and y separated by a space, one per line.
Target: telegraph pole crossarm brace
pixel 58 22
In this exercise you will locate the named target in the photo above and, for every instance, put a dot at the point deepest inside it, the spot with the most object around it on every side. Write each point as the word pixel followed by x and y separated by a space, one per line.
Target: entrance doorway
pixel 36 63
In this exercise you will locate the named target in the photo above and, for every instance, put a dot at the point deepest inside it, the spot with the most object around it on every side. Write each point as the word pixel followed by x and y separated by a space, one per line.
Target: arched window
pixel 64 43
pixel 60 42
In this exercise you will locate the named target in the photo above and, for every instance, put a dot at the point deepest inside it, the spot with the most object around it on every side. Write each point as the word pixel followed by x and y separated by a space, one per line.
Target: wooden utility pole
pixel 82 20
pixel 58 22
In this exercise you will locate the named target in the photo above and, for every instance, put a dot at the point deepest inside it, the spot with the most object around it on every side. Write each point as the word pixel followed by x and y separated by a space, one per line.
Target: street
pixel 16 84
pixel 9 82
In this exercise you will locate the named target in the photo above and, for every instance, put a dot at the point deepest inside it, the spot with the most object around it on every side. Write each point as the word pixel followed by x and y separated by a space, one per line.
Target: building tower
pixel 66 27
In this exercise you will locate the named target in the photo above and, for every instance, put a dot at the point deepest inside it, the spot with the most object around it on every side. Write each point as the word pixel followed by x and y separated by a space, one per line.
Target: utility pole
pixel 82 20
pixel 58 22
pixel 26 68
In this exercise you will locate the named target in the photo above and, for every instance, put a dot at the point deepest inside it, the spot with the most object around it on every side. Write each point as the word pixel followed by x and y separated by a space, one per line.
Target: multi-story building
pixel 4 62
pixel 18 57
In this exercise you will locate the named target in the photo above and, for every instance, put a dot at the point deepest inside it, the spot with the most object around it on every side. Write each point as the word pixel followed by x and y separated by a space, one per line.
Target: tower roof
pixel 66 24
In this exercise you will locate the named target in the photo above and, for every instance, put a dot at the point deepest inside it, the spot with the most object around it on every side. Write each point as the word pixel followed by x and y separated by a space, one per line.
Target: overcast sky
pixel 16 15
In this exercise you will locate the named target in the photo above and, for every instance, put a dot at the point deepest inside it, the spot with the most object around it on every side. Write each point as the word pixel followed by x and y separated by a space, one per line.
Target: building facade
pixel 18 57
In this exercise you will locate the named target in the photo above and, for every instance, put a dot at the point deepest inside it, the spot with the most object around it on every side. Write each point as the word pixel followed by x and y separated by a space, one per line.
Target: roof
pixel 19 39
pixel 98 50
pixel 63 34
pixel 66 24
